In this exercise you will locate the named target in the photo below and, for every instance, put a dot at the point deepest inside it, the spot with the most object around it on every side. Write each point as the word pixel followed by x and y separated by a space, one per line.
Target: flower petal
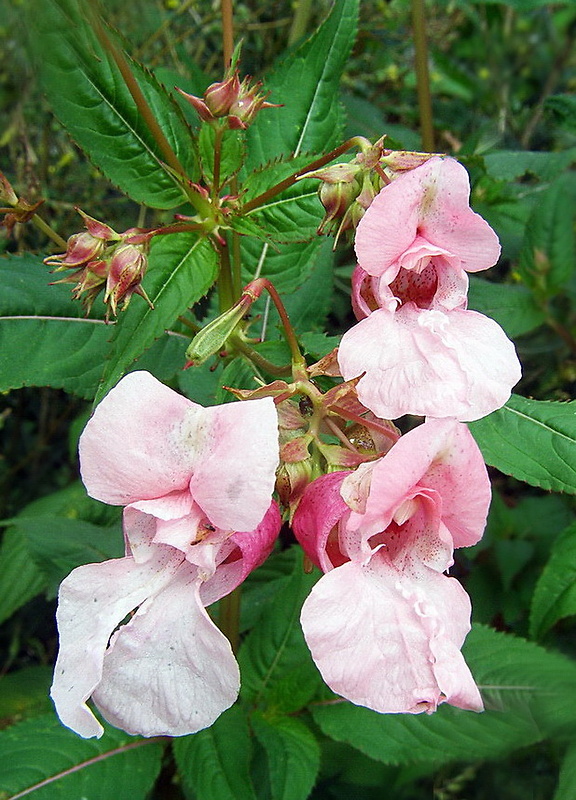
pixel 319 511
pixel 234 478
pixel 429 363
pixel 432 201
pixel 93 600
pixel 169 671
pixel 389 640
pixel 133 447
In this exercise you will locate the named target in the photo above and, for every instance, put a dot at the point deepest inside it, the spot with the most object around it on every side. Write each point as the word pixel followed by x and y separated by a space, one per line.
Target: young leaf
pixel 293 755
pixel 42 758
pixel 215 763
pixel 182 267
pixel 275 663
pixel 533 441
pixel 555 593
pixel 90 97
pixel 307 82
pixel 513 307
pixel 549 248
pixel 528 692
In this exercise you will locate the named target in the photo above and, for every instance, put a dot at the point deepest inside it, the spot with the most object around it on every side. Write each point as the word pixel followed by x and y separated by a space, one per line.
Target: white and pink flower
pixel 385 624
pixel 134 633
pixel 419 349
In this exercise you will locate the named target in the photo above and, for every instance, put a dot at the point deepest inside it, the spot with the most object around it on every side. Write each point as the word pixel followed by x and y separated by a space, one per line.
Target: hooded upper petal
pixel 430 201
pixel 234 478
pixel 150 447
pixel 430 363
pixel 389 639
pixel 135 447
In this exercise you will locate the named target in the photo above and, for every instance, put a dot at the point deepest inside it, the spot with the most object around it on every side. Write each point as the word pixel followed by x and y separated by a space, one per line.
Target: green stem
pixel 300 21
pixel 227 31
pixel 217 162
pixel 258 360
pixel 298 360
pixel 46 229
pixel 230 618
pixel 422 75
pixel 236 265
pixel 225 290
pixel 258 201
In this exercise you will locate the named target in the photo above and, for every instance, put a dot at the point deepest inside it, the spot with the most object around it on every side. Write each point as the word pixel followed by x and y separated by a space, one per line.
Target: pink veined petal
pixel 241 554
pixel 319 511
pixel 378 639
pixel 429 363
pixel 93 600
pixel 439 455
pixel 234 478
pixel 169 671
pixel 447 220
pixel 432 201
pixel 133 447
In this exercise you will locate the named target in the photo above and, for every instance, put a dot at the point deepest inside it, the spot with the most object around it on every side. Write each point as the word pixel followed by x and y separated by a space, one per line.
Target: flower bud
pixel 127 268
pixel 219 97
pixel 213 337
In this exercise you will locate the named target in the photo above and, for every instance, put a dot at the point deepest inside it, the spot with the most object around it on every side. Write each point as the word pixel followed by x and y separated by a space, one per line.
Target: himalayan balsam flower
pixel 421 350
pixel 385 624
pixel 134 633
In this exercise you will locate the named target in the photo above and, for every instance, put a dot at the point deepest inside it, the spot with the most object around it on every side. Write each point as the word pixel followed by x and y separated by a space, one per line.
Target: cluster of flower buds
pixel 348 189
pixel 238 101
pixel 103 260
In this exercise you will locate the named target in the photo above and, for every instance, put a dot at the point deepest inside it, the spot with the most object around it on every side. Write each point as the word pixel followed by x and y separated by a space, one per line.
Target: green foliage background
pixel 502 78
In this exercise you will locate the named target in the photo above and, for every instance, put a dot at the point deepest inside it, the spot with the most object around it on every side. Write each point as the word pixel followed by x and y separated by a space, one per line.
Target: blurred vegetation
pixel 499 73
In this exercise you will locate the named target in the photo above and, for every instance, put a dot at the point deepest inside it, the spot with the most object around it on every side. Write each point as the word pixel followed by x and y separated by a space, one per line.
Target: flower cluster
pixel 102 259
pixel 380 513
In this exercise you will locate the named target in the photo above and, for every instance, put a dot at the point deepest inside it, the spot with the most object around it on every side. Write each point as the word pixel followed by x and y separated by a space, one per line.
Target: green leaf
pixel 57 346
pixel 292 215
pixel 182 267
pixel 24 693
pixel 232 152
pixel 307 83
pixel 58 545
pixel 42 758
pixel 90 97
pixel 555 594
pixel 564 107
pixel 513 307
pixel 20 578
pixel 532 440
pixel 567 777
pixel 549 248
pixel 276 667
pixel 293 755
pixel 286 265
pixel 509 165
pixel 215 763
pixel 528 692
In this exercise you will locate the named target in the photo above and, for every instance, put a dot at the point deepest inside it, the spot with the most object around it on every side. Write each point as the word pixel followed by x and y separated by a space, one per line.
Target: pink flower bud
pixel 127 268
pixel 219 97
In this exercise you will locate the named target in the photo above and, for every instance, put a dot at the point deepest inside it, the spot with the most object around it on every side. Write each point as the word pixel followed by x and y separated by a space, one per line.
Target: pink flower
pixel 384 624
pixel 181 471
pixel 421 351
